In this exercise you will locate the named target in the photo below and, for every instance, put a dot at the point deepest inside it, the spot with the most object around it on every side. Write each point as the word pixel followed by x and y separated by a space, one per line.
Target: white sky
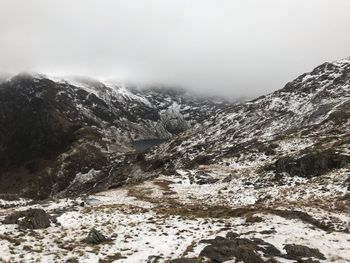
pixel 227 47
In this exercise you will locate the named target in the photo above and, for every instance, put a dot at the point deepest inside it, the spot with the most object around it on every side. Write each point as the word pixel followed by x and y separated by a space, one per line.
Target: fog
pixel 231 48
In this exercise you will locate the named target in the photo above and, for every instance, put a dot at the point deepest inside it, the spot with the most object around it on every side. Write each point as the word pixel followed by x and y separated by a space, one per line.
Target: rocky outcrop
pixel 251 250
pixel 29 219
pixel 227 252
pixel 311 164
pixel 241 249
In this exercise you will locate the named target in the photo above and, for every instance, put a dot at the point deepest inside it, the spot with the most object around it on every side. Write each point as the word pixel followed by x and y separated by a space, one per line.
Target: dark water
pixel 143 145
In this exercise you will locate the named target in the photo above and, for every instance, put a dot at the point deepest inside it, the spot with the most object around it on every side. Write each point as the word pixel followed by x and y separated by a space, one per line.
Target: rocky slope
pixel 60 133
pixel 286 151
pixel 263 181
pixel 309 115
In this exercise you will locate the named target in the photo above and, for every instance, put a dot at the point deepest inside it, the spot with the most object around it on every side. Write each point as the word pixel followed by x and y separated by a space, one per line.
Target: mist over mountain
pixel 180 131
pixel 89 151
pixel 235 48
pixel 68 126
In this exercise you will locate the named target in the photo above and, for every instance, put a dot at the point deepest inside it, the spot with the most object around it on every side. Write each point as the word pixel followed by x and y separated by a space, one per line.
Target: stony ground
pixel 172 217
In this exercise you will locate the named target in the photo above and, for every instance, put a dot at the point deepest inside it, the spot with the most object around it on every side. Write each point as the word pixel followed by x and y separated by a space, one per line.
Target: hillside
pixel 56 132
pixel 262 181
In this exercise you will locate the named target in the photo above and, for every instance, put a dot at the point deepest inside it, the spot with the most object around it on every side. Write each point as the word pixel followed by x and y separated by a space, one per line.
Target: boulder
pixel 29 219
pixel 94 237
pixel 300 251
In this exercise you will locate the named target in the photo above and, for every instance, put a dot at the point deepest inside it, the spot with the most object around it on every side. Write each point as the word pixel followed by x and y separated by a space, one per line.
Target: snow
pixel 82 178
pixel 157 217
pixel 130 216
pixel 121 91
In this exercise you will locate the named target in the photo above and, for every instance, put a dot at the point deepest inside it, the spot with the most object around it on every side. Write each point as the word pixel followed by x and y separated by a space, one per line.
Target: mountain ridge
pixel 53 129
pixel 310 99
pixel 262 181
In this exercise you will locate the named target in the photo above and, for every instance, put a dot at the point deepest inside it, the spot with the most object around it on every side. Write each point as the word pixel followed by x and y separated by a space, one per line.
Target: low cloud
pixel 226 47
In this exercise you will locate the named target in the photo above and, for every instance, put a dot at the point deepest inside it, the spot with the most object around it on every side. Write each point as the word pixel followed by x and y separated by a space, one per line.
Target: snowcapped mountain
pixel 56 132
pixel 262 181
pixel 281 156
pixel 310 112
pixel 146 112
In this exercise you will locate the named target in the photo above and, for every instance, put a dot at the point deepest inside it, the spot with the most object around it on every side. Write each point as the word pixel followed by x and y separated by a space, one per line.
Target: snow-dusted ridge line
pixel 310 99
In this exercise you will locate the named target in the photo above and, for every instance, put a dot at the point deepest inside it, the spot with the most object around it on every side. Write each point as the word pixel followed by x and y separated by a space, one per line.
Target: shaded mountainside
pixel 58 133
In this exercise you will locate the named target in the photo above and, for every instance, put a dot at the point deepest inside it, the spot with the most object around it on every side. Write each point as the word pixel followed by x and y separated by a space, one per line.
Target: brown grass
pixel 189 249
pixel 164 185
pixel 12 240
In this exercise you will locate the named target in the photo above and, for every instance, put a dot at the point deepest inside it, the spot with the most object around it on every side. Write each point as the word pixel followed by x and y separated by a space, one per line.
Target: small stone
pixel 94 237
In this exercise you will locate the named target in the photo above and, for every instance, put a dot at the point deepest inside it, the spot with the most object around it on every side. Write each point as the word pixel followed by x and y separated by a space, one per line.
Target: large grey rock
pixel 30 219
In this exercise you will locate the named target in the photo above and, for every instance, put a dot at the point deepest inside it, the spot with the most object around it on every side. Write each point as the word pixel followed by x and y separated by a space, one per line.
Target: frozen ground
pixel 166 218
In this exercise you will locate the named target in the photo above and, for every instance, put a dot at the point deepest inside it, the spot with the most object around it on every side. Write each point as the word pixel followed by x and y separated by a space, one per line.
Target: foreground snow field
pixel 168 217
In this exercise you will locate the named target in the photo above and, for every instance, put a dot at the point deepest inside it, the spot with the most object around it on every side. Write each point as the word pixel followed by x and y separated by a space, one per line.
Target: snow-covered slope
pixel 286 154
pixel 263 181
pixel 147 112
pixel 313 106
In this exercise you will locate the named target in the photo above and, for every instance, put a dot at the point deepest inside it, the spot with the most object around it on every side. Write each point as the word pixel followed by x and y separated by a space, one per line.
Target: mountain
pixel 285 154
pixel 262 181
pixel 56 133
pixel 309 114
pixel 296 135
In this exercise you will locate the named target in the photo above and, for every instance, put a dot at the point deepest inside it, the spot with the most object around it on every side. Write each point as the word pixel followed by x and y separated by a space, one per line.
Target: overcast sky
pixel 233 47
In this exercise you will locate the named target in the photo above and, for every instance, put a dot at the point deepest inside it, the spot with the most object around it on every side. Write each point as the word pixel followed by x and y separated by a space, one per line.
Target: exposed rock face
pixel 30 219
pixel 43 133
pixel 58 134
pixel 22 122
pixel 311 164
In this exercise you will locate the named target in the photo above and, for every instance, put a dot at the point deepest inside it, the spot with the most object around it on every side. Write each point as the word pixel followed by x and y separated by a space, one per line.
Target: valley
pixel 267 180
